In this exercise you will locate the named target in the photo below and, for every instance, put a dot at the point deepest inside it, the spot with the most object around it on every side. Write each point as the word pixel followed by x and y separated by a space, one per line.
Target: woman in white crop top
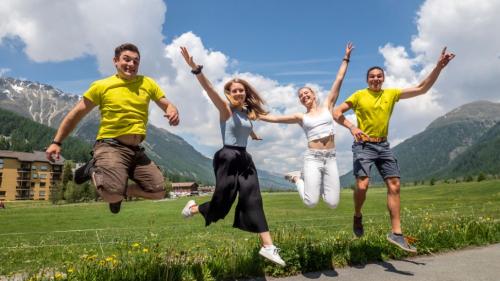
pixel 320 175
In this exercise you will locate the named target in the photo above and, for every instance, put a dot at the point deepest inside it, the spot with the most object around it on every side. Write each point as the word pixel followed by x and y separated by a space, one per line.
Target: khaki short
pixel 115 163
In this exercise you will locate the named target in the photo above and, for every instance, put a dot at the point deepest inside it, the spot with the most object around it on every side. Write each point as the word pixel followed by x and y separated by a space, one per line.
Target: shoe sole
pixel 271 260
pixel 399 246
pixel 187 207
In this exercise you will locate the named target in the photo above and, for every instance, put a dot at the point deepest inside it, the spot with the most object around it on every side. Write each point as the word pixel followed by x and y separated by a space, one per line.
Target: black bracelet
pixel 56 142
pixel 347 60
pixel 197 70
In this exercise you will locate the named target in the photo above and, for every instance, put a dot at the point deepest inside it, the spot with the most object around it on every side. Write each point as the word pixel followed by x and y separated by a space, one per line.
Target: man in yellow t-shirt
pixel 373 108
pixel 123 101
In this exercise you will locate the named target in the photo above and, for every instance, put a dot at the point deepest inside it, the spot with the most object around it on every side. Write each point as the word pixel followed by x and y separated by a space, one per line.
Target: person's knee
pixel 332 204
pixel 311 203
pixel 362 183
pixel 393 186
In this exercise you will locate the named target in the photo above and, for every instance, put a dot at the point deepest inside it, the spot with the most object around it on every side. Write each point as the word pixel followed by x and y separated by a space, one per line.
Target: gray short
pixel 367 153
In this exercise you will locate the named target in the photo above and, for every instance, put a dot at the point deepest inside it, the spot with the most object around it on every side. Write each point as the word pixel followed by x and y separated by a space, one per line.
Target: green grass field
pixel 39 235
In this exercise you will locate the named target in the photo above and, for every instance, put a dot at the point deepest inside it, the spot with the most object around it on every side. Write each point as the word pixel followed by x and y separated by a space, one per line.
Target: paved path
pixel 474 264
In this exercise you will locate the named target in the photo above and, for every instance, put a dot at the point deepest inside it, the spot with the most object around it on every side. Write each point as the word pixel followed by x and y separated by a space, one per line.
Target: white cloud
pixel 3 71
pixel 469 29
pixel 65 30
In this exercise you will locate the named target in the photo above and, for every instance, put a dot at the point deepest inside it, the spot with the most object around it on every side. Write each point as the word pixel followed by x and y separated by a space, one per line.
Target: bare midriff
pixel 132 140
pixel 323 143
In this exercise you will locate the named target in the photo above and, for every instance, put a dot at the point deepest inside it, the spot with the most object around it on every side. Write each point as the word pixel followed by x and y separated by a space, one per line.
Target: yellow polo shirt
pixel 124 104
pixel 374 109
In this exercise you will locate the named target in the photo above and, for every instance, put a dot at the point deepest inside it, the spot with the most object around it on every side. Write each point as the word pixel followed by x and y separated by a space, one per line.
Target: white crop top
pixel 318 127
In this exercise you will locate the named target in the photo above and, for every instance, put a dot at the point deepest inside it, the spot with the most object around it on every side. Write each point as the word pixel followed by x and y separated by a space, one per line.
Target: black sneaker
pixel 357 226
pixel 115 207
pixel 83 173
pixel 400 241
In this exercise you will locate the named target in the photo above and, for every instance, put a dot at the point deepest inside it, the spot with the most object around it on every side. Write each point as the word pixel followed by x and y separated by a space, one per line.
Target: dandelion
pixel 71 270
pixel 136 245
pixel 58 276
pixel 145 250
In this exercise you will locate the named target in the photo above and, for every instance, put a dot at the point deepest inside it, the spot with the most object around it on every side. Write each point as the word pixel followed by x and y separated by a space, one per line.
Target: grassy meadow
pixel 150 240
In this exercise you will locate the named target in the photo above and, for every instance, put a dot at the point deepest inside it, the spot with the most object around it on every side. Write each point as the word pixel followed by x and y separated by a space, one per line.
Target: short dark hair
pixel 372 68
pixel 126 47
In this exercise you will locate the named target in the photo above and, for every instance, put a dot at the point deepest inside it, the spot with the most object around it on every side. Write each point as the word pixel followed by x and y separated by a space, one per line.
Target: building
pixel 184 189
pixel 27 176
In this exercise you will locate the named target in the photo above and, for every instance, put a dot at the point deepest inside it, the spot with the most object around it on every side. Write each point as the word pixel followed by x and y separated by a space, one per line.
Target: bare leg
pixel 359 194
pixel 266 238
pixel 393 203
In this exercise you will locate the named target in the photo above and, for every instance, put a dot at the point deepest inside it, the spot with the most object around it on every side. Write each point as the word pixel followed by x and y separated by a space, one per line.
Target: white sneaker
pixel 291 175
pixel 272 253
pixel 186 212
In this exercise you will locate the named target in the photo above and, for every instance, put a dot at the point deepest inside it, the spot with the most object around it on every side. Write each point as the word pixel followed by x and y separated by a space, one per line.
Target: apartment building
pixel 27 176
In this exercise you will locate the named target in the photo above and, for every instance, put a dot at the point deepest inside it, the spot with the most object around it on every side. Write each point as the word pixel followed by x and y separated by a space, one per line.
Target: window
pixel 43 184
pixel 33 167
pixel 43 176
pixel 35 176
pixel 32 184
pixel 41 194
pixel 44 168
pixel 2 193
pixel 1 163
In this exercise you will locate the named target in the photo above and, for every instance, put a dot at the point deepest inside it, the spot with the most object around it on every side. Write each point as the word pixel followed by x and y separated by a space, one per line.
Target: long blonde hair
pixel 254 104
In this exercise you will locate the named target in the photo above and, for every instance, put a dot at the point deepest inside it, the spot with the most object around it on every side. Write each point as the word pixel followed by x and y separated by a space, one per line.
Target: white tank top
pixel 319 126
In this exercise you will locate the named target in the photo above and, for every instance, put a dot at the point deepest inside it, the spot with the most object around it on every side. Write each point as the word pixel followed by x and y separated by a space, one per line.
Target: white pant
pixel 320 177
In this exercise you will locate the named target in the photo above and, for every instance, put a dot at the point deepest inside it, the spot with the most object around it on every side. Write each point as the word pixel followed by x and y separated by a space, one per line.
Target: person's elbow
pixel 337 113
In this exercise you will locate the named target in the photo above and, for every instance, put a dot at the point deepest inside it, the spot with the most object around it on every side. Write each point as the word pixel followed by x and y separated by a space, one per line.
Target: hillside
pixel 445 142
pixel 48 105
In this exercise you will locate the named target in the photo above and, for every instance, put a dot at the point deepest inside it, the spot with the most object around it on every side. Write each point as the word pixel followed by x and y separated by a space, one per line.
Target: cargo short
pixel 115 163
pixel 365 154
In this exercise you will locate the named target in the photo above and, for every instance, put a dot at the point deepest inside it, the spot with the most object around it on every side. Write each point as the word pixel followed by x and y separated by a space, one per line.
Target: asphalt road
pixel 474 264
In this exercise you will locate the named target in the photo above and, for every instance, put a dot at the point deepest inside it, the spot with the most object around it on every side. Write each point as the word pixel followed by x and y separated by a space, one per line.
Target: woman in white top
pixel 320 172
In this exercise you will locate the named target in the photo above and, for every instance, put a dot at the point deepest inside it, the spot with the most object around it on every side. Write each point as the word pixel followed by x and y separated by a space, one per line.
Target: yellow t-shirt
pixel 373 110
pixel 123 104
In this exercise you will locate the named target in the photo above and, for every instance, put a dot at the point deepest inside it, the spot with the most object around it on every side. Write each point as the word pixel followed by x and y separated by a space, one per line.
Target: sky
pixel 277 45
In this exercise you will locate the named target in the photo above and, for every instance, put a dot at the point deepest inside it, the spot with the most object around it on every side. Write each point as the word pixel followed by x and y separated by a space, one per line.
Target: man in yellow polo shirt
pixel 123 101
pixel 373 108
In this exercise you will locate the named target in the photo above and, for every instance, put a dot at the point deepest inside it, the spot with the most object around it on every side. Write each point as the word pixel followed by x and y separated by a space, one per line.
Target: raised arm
pixel 287 119
pixel 335 89
pixel 338 115
pixel 82 108
pixel 222 105
pixel 427 83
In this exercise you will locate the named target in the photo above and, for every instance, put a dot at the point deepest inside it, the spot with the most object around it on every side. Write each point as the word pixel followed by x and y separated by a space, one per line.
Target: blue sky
pixel 277 45
pixel 289 41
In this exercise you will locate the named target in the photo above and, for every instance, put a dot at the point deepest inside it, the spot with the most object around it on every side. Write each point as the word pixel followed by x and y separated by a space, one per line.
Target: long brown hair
pixel 253 102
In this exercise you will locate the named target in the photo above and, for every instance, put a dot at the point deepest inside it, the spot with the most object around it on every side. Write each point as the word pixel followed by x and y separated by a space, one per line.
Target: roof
pixel 36 156
pixel 183 184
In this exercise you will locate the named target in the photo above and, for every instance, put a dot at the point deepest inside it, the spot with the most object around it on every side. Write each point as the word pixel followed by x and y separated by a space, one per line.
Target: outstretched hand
pixel 348 49
pixel 189 59
pixel 445 58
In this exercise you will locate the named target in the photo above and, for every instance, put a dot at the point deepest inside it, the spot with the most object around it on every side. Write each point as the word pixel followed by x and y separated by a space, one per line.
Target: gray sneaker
pixel 399 240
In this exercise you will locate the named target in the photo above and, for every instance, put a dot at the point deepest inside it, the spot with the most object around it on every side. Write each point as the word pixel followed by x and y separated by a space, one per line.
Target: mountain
pixel 19 133
pixel 48 105
pixel 429 153
pixel 482 157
